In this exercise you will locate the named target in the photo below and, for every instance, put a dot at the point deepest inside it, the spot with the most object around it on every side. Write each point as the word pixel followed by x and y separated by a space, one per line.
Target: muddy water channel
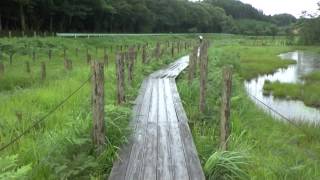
pixel 292 109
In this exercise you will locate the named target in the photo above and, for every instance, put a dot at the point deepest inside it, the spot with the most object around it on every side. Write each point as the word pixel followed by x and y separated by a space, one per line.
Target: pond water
pixel 292 109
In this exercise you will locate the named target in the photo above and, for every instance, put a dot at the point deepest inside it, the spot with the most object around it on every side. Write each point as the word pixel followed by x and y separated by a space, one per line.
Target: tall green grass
pixel 276 149
pixel 61 147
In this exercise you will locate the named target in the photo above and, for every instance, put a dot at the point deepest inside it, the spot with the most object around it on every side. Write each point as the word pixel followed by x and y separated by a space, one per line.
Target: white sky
pixel 294 7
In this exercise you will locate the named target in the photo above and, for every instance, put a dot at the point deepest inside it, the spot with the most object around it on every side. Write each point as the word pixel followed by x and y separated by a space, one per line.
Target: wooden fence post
pixel 105 57
pixel 10 34
pixel 98 132
pixel 64 53
pixel 144 54
pixel 77 52
pixel 192 64
pixel 120 78
pixel 88 58
pixel 131 64
pixel 172 49
pixel 50 54
pixel 11 58
pixel 28 67
pixel 34 34
pixel 1 68
pixel 33 55
pixel 43 71
pixel 225 108
pixel 68 64
pixel 203 77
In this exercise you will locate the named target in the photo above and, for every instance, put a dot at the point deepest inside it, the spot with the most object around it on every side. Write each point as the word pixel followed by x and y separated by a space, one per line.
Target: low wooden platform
pixel 161 146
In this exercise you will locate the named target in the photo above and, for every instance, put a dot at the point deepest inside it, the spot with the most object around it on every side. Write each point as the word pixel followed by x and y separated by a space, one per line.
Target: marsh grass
pixel 308 92
pixel 276 149
pixel 61 148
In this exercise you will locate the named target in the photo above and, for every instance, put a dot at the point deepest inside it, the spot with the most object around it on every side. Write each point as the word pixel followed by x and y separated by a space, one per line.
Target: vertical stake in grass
pixel 34 55
pixel 120 78
pixel 43 71
pixel 172 49
pixel 1 68
pixel 68 64
pixel 34 34
pixel 225 108
pixel 11 58
pixel 131 64
pixel 203 77
pixel 77 52
pixel 10 34
pixel 192 65
pixel 98 133
pixel 28 67
pixel 144 54
pixel 88 59
pixel 105 57
pixel 64 53
pixel 50 54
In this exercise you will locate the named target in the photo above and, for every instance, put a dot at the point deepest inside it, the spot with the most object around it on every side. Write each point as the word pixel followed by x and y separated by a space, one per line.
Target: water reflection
pixel 295 110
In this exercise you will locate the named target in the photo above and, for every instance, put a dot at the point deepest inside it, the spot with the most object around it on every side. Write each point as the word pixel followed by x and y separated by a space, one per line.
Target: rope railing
pixel 35 124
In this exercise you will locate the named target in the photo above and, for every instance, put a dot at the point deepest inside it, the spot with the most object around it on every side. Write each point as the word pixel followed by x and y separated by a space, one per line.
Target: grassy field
pixel 260 146
pixel 60 147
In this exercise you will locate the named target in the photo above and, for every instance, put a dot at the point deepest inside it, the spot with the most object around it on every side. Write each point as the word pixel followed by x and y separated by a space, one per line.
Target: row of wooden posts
pixel 123 59
pixel 199 58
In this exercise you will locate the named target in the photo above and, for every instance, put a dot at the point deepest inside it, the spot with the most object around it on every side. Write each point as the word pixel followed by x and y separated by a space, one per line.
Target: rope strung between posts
pixel 45 116
pixel 278 113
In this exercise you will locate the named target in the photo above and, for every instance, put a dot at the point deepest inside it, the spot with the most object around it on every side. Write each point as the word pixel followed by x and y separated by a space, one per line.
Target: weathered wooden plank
pixel 193 162
pixel 134 168
pixel 179 164
pixel 150 149
pixel 120 167
pixel 161 146
pixel 164 162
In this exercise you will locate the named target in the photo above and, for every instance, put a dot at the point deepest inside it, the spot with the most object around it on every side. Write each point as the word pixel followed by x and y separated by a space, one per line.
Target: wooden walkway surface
pixel 161 146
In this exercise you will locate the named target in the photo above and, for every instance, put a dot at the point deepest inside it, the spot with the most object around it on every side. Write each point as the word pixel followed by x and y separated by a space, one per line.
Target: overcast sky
pixel 294 7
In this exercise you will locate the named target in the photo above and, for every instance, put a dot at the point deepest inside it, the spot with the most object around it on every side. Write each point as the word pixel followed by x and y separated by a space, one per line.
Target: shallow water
pixel 292 109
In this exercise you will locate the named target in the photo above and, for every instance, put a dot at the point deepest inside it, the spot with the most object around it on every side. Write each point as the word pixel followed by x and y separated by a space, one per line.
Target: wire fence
pixel 53 110
pixel 279 114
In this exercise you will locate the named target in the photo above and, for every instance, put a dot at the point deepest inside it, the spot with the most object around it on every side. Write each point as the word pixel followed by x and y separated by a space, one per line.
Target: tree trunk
pixel 22 17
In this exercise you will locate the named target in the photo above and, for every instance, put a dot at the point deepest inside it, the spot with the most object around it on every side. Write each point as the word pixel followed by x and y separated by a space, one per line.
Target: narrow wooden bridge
pixel 161 146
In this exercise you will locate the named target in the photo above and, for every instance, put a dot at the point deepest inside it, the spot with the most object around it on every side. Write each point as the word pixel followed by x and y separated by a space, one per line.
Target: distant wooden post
pixel 50 54
pixel 203 77
pixel 10 34
pixel 131 64
pixel 43 71
pixel 98 132
pixel 120 78
pixel 88 58
pixel 34 55
pixel 225 108
pixel 64 53
pixel 1 68
pixel 28 67
pixel 34 34
pixel 68 64
pixel 77 51
pixel 144 54
pixel 172 50
pixel 105 57
pixel 11 58
pixel 192 65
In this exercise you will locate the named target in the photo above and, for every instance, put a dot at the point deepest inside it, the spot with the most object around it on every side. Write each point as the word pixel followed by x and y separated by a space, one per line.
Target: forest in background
pixel 151 16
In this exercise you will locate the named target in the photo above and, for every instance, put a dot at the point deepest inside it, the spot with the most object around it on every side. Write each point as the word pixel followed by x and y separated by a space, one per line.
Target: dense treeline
pixel 134 16
pixel 308 28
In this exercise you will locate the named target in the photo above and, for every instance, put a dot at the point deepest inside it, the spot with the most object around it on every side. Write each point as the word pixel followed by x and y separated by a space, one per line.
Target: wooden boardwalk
pixel 161 146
